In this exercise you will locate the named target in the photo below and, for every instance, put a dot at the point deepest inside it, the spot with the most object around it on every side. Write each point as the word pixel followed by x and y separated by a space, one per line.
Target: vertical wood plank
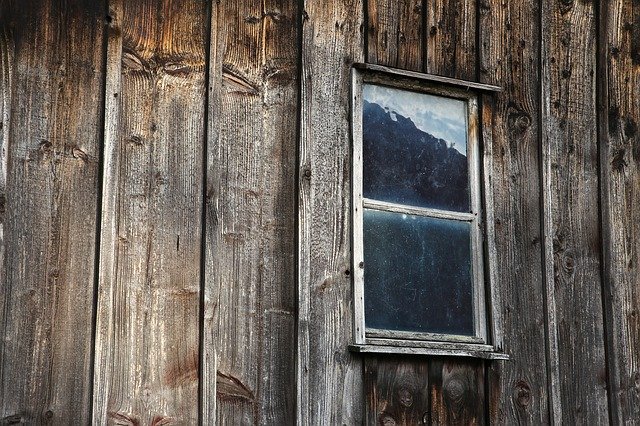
pixel 396 390
pixel 456 390
pixel 451 52
pixel 451 38
pixel 572 236
pixel 329 377
pixel 250 291
pixel 149 290
pixel 51 62
pixel 395 33
pixel 509 55
pixel 619 107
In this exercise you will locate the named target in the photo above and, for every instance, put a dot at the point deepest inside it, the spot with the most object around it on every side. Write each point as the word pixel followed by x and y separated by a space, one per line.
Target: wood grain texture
pixel 451 52
pixel 451 38
pixel 456 391
pixel 396 390
pixel 572 231
pixel 149 290
pixel 51 62
pixel 329 377
pixel 619 107
pixel 509 56
pixel 250 292
pixel 395 33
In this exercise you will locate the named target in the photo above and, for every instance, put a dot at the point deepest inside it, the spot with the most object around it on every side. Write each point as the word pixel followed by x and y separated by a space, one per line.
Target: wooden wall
pixel 175 211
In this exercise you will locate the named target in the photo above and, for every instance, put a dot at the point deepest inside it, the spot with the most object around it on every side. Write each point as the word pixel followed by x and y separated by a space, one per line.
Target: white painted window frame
pixel 487 333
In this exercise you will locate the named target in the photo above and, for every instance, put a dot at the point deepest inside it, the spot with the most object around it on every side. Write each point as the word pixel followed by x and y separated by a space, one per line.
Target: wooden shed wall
pixel 175 211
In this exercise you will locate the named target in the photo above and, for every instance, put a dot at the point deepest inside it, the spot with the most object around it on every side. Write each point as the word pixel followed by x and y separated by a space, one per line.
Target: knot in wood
pixel 405 397
pixel 387 420
pixel 522 394
pixel 568 262
pixel 455 389
pixel 566 6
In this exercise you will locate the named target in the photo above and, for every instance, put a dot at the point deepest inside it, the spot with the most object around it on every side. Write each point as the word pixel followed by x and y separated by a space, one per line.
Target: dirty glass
pixel 418 273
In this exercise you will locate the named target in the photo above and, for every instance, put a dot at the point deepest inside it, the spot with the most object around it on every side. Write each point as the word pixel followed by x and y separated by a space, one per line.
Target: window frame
pixel 482 344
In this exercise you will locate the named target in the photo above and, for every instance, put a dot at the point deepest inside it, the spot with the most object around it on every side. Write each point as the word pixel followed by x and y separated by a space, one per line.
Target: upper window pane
pixel 415 148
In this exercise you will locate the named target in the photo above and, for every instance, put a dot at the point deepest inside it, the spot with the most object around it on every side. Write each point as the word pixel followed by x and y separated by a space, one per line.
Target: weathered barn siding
pixel 52 105
pixel 175 211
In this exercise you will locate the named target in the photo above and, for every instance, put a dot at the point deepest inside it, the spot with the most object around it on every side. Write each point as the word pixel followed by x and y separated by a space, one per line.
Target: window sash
pixel 361 333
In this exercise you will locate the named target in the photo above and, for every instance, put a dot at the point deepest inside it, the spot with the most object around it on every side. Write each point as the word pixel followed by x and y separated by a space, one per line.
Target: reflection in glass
pixel 417 273
pixel 415 148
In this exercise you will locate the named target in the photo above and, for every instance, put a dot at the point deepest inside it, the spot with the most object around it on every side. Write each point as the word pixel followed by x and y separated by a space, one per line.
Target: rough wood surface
pixel 396 390
pixel 619 105
pixel 451 38
pixel 395 33
pixel 451 52
pixel 572 229
pixel 456 390
pixel 51 64
pixel 509 55
pixel 149 290
pixel 329 377
pixel 250 298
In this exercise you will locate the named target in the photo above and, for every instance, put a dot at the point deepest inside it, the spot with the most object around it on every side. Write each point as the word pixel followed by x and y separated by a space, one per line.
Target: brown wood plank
pixel 510 57
pixel 396 390
pixel 451 52
pixel 51 62
pixel 250 292
pixel 451 38
pixel 456 390
pixel 619 101
pixel 149 296
pixel 572 231
pixel 329 377
pixel 395 33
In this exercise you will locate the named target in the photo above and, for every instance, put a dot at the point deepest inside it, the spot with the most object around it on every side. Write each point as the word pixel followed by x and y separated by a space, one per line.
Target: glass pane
pixel 415 148
pixel 417 273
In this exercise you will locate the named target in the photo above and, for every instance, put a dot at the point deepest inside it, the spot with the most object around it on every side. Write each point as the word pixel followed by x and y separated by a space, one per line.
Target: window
pixel 417 211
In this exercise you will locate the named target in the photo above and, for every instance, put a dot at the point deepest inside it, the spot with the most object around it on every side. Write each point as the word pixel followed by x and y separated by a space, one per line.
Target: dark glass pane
pixel 417 273
pixel 415 149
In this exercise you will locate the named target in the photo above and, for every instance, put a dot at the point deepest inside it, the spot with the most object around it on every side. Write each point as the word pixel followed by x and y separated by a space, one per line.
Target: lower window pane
pixel 418 274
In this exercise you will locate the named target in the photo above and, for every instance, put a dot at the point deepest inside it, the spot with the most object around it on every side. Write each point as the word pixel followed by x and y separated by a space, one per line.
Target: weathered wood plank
pixel 451 52
pixel 149 295
pixel 329 377
pixel 619 107
pixel 456 391
pixel 571 213
pixel 250 219
pixel 51 69
pixel 451 38
pixel 397 390
pixel 509 56
pixel 395 33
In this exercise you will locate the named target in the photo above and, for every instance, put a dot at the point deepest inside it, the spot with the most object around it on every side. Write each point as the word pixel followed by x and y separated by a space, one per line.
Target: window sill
pixel 459 350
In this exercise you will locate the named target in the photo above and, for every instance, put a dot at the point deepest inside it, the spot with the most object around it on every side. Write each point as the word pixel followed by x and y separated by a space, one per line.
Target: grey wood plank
pixel 619 112
pixel 250 290
pixel 395 33
pixel 571 214
pixel 147 343
pixel 451 52
pixel 450 31
pixel 51 63
pixel 329 377
pixel 509 56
